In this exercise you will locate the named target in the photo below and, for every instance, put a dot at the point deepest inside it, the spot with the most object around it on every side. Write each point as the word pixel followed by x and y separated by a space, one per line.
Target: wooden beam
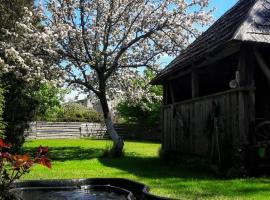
pixel 208 60
pixel 262 64
pixel 214 57
pixel 180 74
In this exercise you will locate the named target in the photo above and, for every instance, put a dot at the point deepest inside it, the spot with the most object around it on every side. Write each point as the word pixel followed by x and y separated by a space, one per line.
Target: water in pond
pixel 71 195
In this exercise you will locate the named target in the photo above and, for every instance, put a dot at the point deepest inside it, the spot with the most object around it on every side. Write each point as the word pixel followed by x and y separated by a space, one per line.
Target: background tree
pixel 10 12
pixel 145 108
pixel 102 40
pixel 49 98
pixel 23 67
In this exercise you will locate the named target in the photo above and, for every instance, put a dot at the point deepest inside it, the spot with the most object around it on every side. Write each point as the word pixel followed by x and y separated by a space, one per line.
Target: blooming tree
pixel 24 52
pixel 101 42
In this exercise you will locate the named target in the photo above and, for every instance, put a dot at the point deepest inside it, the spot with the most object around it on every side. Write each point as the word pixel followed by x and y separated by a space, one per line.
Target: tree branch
pixel 82 15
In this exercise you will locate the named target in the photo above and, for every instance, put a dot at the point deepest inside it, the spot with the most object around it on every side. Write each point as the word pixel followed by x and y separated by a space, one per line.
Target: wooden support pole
pixel 172 92
pixel 165 94
pixel 195 84
pixel 242 67
pixel 262 64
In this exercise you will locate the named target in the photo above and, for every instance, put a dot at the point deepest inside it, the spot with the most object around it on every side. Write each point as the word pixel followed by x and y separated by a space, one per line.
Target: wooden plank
pixel 165 130
pixel 170 129
pixel 242 119
pixel 235 116
pixel 207 97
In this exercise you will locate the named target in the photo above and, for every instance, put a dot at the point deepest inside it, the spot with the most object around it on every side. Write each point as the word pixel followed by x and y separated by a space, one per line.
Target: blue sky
pixel 221 6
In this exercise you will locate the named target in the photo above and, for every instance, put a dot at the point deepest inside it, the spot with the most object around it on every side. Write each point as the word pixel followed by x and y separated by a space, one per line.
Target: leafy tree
pixel 19 109
pixel 145 108
pixel 100 42
pixel 23 68
pixel 10 12
pixel 49 99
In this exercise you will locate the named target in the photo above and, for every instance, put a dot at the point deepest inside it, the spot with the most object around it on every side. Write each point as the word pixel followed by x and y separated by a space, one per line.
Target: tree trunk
pixel 118 143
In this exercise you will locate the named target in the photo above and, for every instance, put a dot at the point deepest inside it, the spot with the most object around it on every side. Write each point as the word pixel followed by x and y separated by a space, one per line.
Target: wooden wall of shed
pixel 189 127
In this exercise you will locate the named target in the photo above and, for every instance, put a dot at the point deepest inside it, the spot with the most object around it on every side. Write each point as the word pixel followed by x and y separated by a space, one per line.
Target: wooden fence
pixel 39 130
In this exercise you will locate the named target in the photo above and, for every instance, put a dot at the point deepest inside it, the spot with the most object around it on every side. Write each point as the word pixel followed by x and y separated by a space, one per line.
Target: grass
pixel 78 158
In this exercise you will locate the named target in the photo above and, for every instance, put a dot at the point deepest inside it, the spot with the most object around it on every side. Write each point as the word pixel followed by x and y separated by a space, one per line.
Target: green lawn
pixel 81 159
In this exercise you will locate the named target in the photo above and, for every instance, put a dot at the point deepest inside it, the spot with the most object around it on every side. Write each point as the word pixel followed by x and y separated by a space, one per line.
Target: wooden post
pixel 195 84
pixel 242 67
pixel 165 94
pixel 247 113
pixel 172 93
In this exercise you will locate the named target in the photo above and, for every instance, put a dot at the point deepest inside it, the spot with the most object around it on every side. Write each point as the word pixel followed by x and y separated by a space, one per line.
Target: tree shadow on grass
pixel 153 167
pixel 63 154
pixel 191 183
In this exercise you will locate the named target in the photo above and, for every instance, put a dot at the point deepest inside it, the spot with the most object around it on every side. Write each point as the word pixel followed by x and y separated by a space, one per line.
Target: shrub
pixel 77 113
pixel 14 166
pixel 135 114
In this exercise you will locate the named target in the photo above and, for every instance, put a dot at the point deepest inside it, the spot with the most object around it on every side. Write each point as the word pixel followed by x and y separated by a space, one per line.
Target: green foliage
pixel 49 99
pixel 135 114
pixel 19 109
pixel 147 109
pixel 20 102
pixel 74 112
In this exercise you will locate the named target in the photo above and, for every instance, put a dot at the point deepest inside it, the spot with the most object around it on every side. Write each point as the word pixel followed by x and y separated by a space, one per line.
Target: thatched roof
pixel 247 20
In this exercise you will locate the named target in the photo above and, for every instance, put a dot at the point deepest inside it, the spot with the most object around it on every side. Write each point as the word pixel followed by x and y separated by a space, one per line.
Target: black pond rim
pixel 139 190
pixel 120 191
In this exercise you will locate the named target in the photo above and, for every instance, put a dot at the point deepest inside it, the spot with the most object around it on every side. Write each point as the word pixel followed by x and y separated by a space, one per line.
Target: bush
pixel 77 113
pixel 19 108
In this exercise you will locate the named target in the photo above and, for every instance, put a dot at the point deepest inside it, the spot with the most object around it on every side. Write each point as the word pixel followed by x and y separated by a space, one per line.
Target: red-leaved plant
pixel 13 167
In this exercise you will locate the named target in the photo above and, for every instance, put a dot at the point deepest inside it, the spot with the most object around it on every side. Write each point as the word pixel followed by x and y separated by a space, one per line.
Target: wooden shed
pixel 217 91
